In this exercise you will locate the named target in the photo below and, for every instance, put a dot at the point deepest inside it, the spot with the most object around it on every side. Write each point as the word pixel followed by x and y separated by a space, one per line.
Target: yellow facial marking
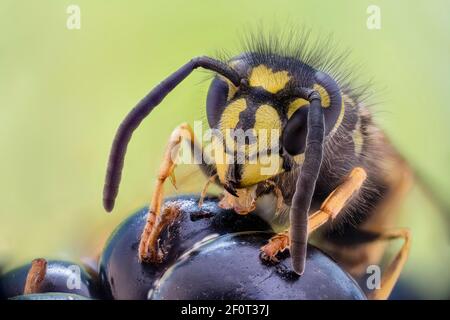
pixel 295 105
pixel 266 117
pixel 341 115
pixel 230 116
pixel 323 95
pixel 219 157
pixel 267 129
pixel 232 89
pixel 262 76
pixel 266 167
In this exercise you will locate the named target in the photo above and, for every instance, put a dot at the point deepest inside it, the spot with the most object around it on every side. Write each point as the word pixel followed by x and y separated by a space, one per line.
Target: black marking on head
pixel 247 117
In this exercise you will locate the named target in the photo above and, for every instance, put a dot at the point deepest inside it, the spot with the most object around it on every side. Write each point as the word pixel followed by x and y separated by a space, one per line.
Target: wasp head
pixel 248 122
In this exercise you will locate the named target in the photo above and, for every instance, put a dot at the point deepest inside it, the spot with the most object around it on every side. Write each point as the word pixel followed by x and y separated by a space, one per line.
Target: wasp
pixel 336 178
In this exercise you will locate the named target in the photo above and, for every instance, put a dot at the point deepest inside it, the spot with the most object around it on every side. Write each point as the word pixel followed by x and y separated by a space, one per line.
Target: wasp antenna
pixel 306 182
pixel 141 110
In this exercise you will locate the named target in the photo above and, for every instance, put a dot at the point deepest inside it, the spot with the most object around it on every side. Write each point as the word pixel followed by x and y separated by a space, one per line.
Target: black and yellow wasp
pixel 334 166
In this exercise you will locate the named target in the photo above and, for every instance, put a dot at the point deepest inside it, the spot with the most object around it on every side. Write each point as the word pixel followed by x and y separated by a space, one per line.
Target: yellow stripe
pixel 339 119
pixel 295 105
pixel 323 95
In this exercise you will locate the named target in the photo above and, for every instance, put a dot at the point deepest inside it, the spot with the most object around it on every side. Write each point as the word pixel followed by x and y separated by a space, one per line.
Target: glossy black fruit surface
pixel 50 296
pixel 229 267
pixel 124 277
pixel 61 276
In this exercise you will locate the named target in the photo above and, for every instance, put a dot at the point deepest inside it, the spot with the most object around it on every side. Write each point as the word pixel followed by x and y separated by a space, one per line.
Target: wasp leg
pixel 392 273
pixel 359 248
pixel 329 209
pixel 383 219
pixel 334 203
pixel 148 246
pixel 210 180
pixel 278 195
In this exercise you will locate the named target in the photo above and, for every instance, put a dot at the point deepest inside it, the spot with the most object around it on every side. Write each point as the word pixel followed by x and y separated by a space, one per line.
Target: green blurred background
pixel 64 92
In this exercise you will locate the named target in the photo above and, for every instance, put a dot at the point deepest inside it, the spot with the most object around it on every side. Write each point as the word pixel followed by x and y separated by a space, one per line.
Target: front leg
pixel 148 246
pixel 330 208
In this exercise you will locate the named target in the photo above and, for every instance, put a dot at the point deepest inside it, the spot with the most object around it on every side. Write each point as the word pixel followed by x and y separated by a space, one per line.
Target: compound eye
pixel 294 134
pixel 218 94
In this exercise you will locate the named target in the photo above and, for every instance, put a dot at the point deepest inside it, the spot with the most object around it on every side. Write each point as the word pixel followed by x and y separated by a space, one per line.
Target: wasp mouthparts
pixel 231 190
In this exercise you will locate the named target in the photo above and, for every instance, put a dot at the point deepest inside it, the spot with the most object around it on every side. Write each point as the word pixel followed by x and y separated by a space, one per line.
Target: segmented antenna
pixel 142 110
